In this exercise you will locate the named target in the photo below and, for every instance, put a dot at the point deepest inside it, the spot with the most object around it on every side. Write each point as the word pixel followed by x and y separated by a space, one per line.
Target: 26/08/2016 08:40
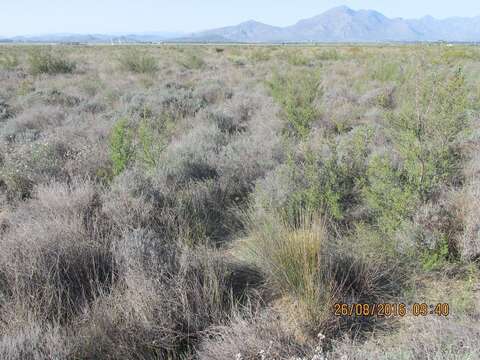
pixel 391 310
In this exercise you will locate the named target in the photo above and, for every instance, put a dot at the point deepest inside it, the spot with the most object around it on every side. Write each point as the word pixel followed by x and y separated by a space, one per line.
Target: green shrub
pixel 48 61
pixel 9 61
pixel 237 60
pixel 260 54
pixel 434 259
pixel 384 69
pixel 424 136
pixel 138 62
pixel 296 58
pixel 326 177
pixel 387 198
pixel 192 62
pixel 121 146
pixel 150 146
pixel 296 94
pixel 328 55
pixel 456 53
pixel 141 143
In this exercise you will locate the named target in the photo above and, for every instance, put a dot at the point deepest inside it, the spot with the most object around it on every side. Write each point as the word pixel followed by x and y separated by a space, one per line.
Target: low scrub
pixel 138 62
pixel 9 61
pixel 296 93
pixel 48 61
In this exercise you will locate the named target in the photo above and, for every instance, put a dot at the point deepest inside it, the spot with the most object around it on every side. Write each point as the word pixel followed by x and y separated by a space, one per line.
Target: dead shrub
pixel 55 252
pixel 257 336
pixel 35 342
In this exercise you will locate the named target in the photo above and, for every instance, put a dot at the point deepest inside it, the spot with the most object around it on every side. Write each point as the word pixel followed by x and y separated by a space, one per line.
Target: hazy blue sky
pixel 81 16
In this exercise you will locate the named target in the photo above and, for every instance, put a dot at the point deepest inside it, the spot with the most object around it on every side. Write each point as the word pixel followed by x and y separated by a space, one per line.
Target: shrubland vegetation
pixel 176 202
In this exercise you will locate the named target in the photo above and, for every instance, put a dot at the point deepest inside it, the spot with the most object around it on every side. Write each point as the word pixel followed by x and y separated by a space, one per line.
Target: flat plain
pixel 217 202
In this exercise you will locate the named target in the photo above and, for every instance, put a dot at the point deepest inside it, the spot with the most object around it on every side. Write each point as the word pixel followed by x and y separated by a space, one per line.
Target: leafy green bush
pixel 260 54
pixel 434 259
pixel 326 177
pixel 457 53
pixel 384 69
pixel 121 146
pixel 387 197
pixel 237 60
pixel 296 58
pixel 9 61
pixel 296 93
pixel 424 135
pixel 138 62
pixel 150 145
pixel 48 61
pixel 192 62
pixel 328 55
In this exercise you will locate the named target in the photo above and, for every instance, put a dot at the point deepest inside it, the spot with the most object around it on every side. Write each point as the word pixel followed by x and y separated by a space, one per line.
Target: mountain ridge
pixel 339 24
pixel 343 24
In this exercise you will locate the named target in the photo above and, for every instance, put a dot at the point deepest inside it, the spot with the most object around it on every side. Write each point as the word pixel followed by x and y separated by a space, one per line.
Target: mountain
pixel 340 24
pixel 96 38
pixel 246 32
pixel 451 29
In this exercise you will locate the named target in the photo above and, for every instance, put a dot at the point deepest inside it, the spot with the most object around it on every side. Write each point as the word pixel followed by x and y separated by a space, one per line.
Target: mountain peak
pixel 341 8
pixel 251 22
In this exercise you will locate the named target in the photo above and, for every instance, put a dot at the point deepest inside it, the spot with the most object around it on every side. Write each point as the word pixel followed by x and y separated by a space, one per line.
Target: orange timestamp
pixel 391 310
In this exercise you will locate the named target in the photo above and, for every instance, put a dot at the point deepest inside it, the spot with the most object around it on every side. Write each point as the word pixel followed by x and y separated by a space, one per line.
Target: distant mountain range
pixel 340 24
pixel 94 38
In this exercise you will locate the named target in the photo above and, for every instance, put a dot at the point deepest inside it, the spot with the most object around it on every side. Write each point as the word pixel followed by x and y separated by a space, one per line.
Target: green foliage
pixel 385 70
pixel 424 136
pixel 457 53
pixel 121 146
pixel 296 58
pixel 433 260
pixel 237 60
pixel 143 143
pixel 260 54
pixel 388 199
pixel 152 139
pixel 138 62
pixel 192 62
pixel 328 55
pixel 324 187
pixel 48 61
pixel 296 93
pixel 327 181
pixel 9 61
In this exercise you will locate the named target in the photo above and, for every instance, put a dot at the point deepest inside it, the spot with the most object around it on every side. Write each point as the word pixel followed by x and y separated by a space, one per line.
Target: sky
pixel 30 17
